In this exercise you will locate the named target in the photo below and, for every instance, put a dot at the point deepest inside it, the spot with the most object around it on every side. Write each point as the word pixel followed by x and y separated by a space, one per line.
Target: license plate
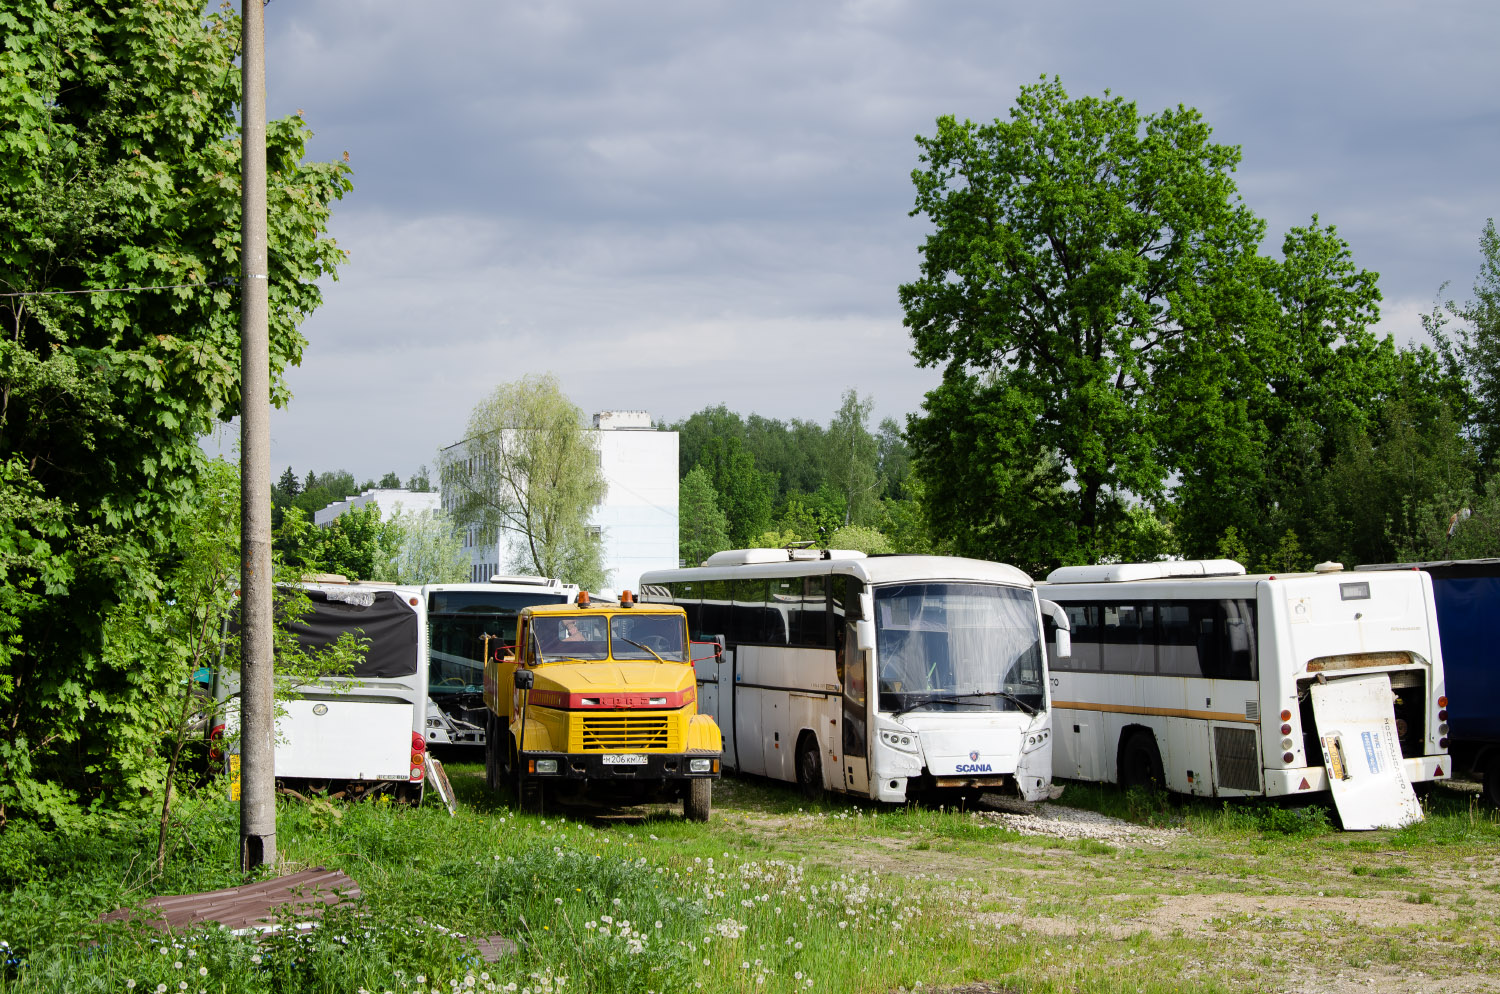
pixel 623 759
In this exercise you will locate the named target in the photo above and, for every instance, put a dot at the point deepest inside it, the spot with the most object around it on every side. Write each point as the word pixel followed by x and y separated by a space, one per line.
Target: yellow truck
pixel 598 702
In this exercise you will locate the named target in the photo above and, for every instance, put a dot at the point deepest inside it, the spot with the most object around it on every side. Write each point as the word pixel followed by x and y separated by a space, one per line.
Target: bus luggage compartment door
pixel 1356 724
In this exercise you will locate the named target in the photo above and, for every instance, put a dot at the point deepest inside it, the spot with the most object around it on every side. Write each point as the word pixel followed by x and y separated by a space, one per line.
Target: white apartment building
pixel 388 500
pixel 637 521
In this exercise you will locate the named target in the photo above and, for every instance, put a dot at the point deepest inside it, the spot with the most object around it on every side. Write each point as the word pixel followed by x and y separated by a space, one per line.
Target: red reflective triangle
pixel 1439 771
pixel 1304 785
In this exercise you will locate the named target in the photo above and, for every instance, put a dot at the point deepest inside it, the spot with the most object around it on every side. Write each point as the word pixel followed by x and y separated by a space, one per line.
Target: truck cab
pixel 597 702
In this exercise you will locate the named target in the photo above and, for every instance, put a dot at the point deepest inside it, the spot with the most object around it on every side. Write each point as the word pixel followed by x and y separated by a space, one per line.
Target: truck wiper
pixel 639 646
pixel 965 699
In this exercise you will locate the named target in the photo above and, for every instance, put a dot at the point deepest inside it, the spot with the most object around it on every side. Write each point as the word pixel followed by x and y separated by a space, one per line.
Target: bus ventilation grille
pixel 1237 758
pixel 1252 710
pixel 608 732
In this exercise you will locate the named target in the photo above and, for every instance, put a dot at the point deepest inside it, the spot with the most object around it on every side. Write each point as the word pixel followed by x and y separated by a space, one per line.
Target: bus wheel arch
pixel 1138 763
pixel 809 758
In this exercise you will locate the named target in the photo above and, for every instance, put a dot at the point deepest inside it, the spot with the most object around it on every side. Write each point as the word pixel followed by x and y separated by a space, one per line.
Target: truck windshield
pixel 955 646
pixel 648 636
pixel 570 636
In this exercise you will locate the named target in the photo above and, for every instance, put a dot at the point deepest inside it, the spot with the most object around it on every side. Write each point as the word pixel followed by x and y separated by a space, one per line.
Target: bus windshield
pixel 958 646
pixel 458 621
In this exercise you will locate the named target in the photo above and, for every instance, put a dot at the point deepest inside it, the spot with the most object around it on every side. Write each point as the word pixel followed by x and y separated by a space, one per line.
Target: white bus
pixel 360 732
pixel 888 677
pixel 462 619
pixel 1196 677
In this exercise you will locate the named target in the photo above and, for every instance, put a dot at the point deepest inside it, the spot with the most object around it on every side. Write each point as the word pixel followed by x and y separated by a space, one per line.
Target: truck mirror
pixel 525 679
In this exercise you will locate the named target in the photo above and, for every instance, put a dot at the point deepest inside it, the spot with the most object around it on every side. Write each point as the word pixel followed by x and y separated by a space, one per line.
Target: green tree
pixel 421 547
pixel 419 482
pixel 745 494
pixel 1080 252
pixel 120 170
pixel 894 460
pixel 853 455
pixel 1306 378
pixel 702 528
pixel 1472 348
pixel 862 538
pixel 389 481
pixel 530 471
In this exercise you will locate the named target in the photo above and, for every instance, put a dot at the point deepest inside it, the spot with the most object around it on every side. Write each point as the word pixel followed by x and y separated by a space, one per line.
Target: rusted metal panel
pixel 250 906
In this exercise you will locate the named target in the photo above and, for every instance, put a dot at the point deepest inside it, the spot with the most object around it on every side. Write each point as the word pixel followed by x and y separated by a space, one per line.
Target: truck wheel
pixel 1140 763
pixel 491 754
pixel 527 790
pixel 1490 770
pixel 809 768
pixel 698 802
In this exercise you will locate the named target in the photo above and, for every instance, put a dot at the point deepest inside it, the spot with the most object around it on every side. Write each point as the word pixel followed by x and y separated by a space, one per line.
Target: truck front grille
pixel 626 732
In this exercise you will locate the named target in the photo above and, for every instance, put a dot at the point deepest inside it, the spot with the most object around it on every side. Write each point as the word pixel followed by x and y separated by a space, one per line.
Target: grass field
pixel 774 894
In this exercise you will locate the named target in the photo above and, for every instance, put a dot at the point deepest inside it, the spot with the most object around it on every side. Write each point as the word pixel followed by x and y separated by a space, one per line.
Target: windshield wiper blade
pixel 966 699
pixel 639 646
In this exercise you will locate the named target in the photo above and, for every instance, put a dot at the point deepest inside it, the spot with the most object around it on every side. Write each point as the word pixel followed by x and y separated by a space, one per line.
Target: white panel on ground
pixel 1356 721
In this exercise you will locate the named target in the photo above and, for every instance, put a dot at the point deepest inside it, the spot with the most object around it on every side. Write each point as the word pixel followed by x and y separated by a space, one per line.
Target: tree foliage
pixel 702 528
pixel 1471 348
pixel 529 471
pixel 1087 271
pixel 119 168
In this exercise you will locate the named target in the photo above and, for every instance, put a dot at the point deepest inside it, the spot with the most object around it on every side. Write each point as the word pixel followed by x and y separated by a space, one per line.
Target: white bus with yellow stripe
pixel 1199 678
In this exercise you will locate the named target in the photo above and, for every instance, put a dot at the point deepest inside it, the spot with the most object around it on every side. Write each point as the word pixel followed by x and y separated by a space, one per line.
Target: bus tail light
pixel 1442 702
pixel 418 757
pixel 1287 758
pixel 1286 716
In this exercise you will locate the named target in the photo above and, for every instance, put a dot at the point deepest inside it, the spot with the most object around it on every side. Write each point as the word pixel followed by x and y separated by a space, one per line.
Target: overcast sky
pixel 677 204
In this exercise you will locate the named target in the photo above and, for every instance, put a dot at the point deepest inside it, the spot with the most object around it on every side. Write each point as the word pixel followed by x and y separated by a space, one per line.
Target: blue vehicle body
pixel 1467 596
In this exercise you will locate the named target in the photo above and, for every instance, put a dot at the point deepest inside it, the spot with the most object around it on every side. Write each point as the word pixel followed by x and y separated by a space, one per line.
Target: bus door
pixel 854 674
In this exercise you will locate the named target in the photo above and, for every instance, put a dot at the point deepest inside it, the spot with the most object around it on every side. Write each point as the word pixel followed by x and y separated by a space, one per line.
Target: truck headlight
pixel 546 766
pixel 700 766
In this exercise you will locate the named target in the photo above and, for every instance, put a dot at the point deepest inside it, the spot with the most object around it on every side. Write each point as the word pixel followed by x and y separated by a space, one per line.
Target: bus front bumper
pixel 1308 779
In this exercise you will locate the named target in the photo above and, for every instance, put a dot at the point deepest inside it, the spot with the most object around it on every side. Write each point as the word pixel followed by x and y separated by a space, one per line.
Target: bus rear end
pixel 360 732
pixel 1335 633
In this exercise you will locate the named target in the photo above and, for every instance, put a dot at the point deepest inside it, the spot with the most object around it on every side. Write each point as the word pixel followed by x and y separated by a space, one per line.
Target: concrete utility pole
pixel 257 727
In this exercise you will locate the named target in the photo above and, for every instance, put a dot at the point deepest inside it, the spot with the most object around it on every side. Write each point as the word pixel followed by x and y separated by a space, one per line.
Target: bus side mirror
pixel 1064 637
pixel 525 679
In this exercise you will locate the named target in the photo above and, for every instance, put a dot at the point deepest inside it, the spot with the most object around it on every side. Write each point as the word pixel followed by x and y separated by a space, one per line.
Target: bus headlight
pixel 700 766
pixel 546 766
pixel 902 741
pixel 1035 740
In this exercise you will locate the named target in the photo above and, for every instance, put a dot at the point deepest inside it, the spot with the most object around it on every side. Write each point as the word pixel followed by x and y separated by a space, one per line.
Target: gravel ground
pixel 1070 823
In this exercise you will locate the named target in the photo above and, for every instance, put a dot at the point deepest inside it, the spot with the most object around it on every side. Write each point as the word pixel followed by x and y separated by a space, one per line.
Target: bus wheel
pixel 698 802
pixel 1140 763
pixel 809 767
pixel 1490 771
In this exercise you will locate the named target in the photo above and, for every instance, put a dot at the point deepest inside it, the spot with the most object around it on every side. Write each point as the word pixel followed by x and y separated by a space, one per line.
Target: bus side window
pixel 1083 620
pixel 1237 651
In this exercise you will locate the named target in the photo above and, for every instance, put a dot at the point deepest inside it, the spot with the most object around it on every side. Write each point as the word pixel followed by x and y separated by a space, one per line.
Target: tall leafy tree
pixel 702 528
pixel 1079 250
pixel 119 170
pixel 853 455
pixel 746 495
pixel 530 472
pixel 1471 347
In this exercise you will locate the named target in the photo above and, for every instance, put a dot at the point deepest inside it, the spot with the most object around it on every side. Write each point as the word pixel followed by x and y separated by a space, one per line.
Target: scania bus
pixel 889 677
pixel 1199 678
